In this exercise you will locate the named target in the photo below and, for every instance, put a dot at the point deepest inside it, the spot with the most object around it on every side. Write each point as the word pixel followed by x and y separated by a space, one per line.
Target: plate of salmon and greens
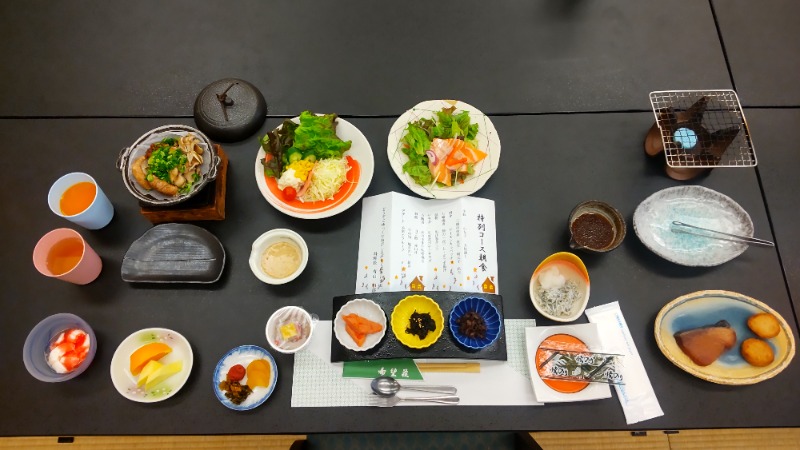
pixel 314 166
pixel 444 149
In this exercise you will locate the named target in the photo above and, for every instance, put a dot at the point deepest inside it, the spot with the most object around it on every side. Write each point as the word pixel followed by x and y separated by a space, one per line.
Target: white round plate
pixel 244 355
pixel 488 141
pixel 366 309
pixel 125 382
pixel 694 205
pixel 360 150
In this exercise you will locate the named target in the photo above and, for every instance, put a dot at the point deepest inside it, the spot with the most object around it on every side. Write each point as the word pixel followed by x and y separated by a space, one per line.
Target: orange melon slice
pixel 258 372
pixel 146 353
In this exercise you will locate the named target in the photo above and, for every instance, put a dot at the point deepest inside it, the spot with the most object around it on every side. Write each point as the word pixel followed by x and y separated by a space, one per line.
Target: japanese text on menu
pixel 410 244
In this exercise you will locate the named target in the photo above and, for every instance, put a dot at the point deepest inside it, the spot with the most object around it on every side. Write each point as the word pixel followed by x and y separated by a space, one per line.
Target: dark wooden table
pixel 567 85
pixel 362 58
pixel 763 50
pixel 779 162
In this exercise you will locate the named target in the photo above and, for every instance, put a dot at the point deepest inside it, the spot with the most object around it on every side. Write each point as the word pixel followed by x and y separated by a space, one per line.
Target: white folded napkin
pixel 636 396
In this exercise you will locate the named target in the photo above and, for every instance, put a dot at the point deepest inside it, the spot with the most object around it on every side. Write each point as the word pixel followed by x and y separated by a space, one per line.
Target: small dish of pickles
pixel 417 321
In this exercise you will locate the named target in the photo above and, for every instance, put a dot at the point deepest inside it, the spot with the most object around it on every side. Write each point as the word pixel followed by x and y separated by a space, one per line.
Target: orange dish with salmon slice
pixel 290 188
pixel 444 149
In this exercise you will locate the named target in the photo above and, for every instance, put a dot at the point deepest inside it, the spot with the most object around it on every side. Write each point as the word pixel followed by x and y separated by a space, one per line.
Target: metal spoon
pixel 388 386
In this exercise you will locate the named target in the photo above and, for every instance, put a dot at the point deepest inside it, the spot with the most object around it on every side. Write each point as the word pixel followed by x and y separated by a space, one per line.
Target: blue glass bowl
pixel 486 310
pixel 34 352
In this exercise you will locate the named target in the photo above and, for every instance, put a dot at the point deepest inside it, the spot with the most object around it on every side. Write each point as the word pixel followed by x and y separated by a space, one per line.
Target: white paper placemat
pixel 317 382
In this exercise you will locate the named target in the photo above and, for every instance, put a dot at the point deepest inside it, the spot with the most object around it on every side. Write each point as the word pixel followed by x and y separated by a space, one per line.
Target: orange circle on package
pixel 559 342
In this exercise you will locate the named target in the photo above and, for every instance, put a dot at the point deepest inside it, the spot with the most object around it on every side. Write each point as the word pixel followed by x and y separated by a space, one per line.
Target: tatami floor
pixel 734 439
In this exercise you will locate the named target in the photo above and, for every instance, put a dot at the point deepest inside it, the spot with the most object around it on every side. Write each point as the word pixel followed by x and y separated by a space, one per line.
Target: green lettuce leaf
pixel 314 135
pixel 317 135
pixel 416 140
pixel 419 172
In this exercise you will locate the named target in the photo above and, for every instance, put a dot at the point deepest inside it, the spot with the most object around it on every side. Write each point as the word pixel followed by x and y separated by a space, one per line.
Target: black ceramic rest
pixel 174 253
pixel 445 347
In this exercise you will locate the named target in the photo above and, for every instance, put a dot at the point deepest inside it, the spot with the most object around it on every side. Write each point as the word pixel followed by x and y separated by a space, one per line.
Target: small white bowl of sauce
pixel 278 256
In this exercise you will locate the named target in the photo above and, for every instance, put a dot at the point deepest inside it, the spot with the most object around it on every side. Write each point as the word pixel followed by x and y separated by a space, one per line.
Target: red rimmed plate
pixel 358 179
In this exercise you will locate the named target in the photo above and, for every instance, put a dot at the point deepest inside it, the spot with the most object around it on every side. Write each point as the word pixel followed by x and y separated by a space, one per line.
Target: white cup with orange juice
pixel 77 198
pixel 64 254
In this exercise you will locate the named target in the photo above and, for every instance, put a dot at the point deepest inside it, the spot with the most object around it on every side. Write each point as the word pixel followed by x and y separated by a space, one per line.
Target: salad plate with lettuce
pixel 314 166
pixel 444 149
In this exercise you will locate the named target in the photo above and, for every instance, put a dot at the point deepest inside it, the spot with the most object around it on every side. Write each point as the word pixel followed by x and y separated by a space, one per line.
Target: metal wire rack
pixel 703 128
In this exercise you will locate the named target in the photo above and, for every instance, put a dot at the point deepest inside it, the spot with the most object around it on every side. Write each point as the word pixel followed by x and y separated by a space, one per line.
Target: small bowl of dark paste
pixel 475 323
pixel 596 226
pixel 417 321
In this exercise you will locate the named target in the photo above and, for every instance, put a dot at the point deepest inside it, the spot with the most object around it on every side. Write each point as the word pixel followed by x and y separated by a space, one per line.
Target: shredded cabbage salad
pixel 327 178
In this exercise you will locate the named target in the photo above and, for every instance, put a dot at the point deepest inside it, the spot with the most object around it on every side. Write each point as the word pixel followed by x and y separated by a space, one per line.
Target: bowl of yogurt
pixel 278 256
pixel 59 348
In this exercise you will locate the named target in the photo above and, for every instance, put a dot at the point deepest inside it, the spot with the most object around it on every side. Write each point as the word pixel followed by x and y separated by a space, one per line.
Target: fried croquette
pixel 764 325
pixel 757 352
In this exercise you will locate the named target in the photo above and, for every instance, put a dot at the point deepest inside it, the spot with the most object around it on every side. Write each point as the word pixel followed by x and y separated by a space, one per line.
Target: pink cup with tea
pixel 65 255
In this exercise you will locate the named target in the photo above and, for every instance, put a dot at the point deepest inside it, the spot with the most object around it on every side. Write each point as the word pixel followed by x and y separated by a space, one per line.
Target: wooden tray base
pixel 208 204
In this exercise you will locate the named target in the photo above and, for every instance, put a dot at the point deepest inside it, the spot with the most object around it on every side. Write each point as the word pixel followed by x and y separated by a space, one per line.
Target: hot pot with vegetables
pixel 168 165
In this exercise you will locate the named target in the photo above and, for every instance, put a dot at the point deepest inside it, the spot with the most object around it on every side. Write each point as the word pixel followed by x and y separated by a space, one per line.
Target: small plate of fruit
pixel 245 377
pixel 151 365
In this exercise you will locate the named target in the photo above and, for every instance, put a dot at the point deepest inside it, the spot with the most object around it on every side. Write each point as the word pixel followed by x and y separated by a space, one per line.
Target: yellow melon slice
pixel 160 375
pixel 146 353
pixel 149 368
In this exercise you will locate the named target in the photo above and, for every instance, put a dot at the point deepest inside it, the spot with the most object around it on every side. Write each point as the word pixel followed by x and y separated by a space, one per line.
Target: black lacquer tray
pixel 445 347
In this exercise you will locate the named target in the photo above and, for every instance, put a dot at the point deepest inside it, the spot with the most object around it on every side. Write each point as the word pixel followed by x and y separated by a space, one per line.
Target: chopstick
pixel 730 237
pixel 449 367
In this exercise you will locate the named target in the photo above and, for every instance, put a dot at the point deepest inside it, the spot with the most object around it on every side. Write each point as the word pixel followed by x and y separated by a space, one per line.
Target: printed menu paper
pixel 411 244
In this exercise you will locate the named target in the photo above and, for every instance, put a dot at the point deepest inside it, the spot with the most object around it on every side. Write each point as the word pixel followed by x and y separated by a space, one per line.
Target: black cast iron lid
pixel 230 110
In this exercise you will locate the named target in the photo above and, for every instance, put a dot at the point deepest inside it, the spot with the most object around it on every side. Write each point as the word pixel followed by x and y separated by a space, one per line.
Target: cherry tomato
pixel 289 193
